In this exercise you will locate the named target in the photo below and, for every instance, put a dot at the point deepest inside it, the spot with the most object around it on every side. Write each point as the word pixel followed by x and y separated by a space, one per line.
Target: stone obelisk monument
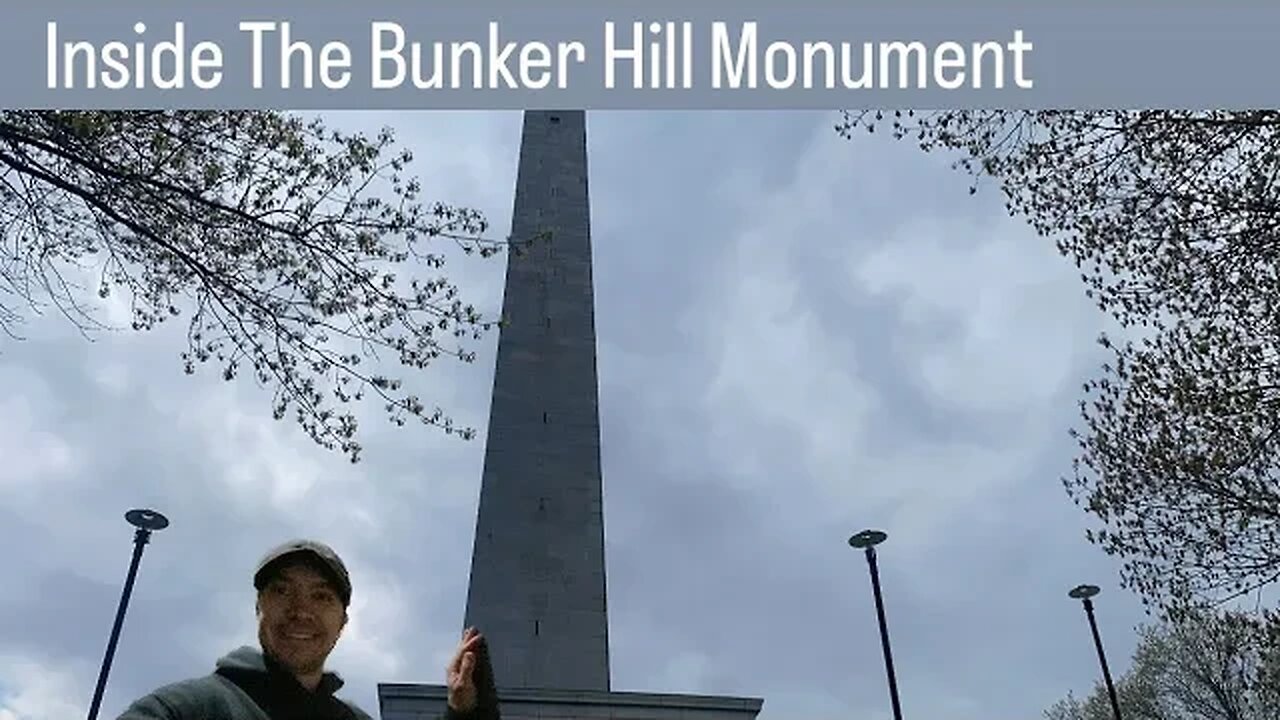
pixel 538 568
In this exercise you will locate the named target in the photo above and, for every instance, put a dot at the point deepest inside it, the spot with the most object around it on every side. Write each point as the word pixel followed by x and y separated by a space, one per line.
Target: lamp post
pixel 867 540
pixel 146 522
pixel 1085 594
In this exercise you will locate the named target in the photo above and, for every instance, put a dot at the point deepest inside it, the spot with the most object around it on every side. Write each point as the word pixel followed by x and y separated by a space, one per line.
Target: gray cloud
pixel 800 336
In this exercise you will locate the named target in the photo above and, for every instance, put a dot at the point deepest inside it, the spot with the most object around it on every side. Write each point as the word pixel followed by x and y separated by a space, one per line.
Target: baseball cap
pixel 319 555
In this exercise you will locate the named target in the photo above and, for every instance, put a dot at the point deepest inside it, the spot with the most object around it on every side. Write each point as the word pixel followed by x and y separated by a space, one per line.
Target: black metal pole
pixel 884 633
pixel 1102 658
pixel 140 539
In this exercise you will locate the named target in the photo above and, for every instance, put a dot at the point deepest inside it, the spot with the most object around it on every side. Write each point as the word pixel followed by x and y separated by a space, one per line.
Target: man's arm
pixel 150 707
pixel 486 685
pixel 451 714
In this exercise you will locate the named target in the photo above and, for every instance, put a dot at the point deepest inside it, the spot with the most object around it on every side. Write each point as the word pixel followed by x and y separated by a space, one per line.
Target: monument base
pixel 406 701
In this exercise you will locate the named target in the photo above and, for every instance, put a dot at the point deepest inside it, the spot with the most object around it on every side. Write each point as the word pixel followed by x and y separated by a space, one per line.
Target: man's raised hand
pixel 461 672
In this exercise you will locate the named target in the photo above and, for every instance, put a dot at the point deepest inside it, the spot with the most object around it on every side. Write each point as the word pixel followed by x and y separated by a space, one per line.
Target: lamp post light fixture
pixel 867 540
pixel 145 522
pixel 1085 594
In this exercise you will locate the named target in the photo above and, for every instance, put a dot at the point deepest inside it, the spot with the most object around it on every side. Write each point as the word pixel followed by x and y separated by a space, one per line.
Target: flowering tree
pixel 1172 219
pixel 279 239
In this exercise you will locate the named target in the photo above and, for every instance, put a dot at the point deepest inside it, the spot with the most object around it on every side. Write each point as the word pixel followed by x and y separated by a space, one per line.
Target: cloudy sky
pixel 800 336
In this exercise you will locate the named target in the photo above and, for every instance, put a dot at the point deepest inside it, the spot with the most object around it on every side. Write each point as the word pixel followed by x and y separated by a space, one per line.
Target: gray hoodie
pixel 245 686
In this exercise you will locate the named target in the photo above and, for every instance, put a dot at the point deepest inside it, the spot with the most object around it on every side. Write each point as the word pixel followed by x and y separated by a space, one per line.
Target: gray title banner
pixel 381 54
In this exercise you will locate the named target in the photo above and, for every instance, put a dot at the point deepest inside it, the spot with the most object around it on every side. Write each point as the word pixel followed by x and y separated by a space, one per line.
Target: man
pixel 303 595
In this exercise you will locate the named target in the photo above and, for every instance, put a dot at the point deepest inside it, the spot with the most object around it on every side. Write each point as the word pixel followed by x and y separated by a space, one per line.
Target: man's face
pixel 299 619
